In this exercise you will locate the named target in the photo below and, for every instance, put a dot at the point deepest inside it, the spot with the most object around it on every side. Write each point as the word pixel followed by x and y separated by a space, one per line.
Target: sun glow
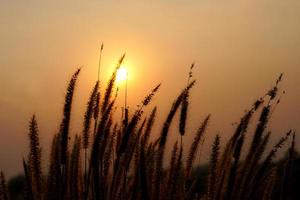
pixel 122 74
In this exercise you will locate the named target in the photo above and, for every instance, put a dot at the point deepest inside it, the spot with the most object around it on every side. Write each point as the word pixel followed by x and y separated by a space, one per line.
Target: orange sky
pixel 239 46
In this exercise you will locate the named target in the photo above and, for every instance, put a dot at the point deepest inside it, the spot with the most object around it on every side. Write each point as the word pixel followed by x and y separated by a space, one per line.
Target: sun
pixel 122 74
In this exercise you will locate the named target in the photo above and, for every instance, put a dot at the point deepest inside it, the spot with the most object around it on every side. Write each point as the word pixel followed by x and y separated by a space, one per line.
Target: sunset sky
pixel 239 47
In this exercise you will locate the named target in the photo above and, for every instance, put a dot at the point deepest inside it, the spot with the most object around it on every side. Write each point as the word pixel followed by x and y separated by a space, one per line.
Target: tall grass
pixel 119 161
pixel 3 187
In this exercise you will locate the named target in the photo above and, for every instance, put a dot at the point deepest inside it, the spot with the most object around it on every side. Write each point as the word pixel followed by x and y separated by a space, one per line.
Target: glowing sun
pixel 122 74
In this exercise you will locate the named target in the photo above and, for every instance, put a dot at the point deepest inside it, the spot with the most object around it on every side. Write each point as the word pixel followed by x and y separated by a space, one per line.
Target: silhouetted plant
pixel 126 161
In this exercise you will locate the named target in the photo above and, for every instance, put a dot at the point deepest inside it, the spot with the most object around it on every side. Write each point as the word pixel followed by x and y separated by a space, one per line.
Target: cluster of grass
pixel 113 160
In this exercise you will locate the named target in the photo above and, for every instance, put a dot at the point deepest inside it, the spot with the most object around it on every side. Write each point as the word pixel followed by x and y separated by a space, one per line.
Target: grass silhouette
pixel 118 161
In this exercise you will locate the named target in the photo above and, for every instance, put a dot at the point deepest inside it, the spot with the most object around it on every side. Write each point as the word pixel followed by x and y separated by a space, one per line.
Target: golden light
pixel 122 74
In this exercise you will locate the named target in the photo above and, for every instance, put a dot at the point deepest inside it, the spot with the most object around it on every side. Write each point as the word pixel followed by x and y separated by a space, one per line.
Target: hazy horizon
pixel 239 48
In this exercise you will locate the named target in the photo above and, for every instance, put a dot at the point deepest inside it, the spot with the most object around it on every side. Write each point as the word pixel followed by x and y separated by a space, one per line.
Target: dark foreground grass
pixel 116 160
